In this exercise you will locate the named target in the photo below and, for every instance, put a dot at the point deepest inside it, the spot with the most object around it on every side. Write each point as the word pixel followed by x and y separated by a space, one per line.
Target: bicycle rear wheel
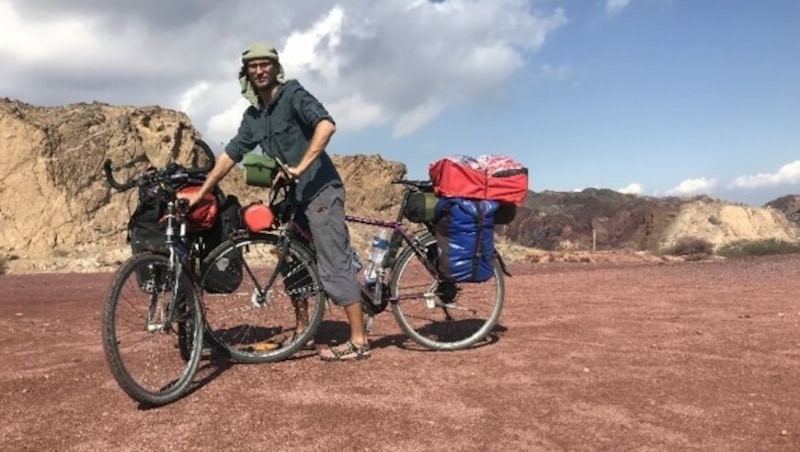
pixel 152 343
pixel 258 321
pixel 443 316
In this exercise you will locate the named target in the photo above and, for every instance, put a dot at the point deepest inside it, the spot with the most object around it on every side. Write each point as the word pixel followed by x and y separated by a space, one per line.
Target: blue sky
pixel 655 97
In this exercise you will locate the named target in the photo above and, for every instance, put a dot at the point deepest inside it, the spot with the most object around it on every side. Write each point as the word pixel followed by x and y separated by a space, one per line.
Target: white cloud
pixel 314 50
pixel 220 126
pixel 787 174
pixel 690 187
pixel 414 119
pixel 36 40
pixel 356 113
pixel 371 63
pixel 190 97
pixel 632 189
pixel 409 62
pixel 614 7
pixel 557 73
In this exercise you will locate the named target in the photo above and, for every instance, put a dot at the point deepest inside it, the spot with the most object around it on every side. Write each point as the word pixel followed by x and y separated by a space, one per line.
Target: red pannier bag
pixel 203 215
pixel 491 177
pixel 258 217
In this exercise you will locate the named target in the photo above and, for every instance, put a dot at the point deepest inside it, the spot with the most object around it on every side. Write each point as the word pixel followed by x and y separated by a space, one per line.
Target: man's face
pixel 263 72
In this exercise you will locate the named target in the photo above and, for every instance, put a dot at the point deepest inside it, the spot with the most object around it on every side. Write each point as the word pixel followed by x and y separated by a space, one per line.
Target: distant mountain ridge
pixel 605 219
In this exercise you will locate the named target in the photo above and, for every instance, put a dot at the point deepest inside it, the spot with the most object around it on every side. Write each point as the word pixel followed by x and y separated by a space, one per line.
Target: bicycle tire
pixel 436 315
pixel 144 284
pixel 254 323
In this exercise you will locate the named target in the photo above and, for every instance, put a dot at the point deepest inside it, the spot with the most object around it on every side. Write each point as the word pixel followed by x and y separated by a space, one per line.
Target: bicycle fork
pixel 161 311
pixel 157 315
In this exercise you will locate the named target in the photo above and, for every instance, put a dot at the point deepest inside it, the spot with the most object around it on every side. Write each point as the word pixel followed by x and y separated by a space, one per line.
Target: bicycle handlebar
pixel 110 178
pixel 420 184
pixel 171 173
pixel 282 166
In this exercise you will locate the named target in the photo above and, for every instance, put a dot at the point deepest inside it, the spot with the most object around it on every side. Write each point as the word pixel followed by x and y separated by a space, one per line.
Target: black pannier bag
pixel 421 207
pixel 145 230
pixel 146 233
pixel 505 213
pixel 225 274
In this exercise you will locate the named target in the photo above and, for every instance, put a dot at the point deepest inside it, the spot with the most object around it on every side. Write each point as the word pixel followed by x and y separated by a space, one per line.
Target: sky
pixel 650 97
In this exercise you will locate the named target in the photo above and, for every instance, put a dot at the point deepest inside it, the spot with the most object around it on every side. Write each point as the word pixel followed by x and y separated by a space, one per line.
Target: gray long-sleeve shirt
pixel 283 129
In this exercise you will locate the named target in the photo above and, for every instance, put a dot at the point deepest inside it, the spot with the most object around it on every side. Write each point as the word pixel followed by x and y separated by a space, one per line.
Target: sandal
pixel 345 352
pixel 310 345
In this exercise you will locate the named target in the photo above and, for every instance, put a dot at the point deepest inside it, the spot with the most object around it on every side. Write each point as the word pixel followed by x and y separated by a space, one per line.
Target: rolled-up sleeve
pixel 309 109
pixel 245 140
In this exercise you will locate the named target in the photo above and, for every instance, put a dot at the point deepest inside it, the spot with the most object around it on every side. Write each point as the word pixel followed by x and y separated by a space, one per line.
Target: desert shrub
pixel 695 247
pixel 3 265
pixel 765 247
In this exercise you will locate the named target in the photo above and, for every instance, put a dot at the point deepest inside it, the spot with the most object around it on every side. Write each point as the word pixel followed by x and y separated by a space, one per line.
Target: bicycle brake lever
pixel 284 168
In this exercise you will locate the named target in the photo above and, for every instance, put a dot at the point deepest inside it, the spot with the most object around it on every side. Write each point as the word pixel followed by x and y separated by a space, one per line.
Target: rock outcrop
pixel 55 204
pixel 56 208
pixel 54 200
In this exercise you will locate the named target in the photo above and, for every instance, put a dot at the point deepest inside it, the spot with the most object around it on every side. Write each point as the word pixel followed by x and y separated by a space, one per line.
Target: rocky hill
pixel 605 219
pixel 57 211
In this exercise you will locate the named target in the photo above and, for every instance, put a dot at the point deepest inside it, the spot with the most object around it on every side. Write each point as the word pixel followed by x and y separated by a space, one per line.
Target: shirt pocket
pixel 281 138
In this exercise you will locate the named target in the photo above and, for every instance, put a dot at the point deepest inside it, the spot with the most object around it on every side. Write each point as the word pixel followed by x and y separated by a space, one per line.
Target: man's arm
pixel 323 132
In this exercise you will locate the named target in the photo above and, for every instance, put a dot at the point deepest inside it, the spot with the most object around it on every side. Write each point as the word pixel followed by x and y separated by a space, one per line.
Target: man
pixel 288 123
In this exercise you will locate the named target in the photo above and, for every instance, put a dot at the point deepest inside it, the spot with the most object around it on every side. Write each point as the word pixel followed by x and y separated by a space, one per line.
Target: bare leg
pixel 357 347
pixel 355 316
pixel 301 313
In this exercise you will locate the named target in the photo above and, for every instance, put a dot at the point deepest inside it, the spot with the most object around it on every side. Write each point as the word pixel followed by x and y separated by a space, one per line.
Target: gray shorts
pixel 326 223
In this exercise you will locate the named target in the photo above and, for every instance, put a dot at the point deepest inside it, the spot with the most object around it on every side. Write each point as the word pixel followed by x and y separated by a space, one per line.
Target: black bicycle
pixel 280 302
pixel 152 323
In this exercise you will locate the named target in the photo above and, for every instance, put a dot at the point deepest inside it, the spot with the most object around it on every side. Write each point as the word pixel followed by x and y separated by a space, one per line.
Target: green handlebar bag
pixel 259 169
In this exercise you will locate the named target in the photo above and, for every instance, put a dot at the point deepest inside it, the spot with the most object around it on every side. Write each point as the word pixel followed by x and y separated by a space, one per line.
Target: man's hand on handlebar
pixel 191 198
pixel 286 176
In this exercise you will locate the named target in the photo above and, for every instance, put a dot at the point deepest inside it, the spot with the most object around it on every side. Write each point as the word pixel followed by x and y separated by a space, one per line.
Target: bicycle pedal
pixel 265 346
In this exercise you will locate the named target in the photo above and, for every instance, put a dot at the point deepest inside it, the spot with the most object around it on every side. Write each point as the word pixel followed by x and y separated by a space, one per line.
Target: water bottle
pixel 355 261
pixel 380 243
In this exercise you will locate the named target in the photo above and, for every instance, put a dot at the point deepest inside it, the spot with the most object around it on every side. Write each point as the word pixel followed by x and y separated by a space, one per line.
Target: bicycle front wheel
pixel 443 315
pixel 152 339
pixel 274 311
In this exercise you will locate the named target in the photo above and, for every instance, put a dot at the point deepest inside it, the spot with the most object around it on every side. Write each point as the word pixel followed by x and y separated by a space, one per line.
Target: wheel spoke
pixel 256 323
pixel 443 316
pixel 153 359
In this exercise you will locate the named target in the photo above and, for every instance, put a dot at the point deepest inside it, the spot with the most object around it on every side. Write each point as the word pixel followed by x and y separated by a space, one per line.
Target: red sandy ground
pixel 631 356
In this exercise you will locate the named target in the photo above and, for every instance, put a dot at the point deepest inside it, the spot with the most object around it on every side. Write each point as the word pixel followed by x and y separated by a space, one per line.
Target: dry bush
pixel 766 247
pixel 693 247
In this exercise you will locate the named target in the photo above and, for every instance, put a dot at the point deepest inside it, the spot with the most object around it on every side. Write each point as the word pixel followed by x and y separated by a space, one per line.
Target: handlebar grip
pixel 282 166
pixel 415 183
pixel 289 180
pixel 110 178
pixel 210 156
